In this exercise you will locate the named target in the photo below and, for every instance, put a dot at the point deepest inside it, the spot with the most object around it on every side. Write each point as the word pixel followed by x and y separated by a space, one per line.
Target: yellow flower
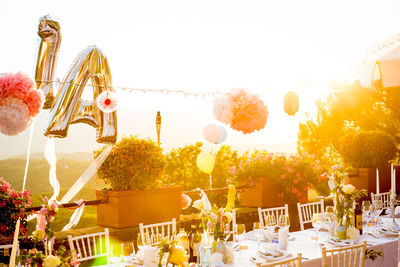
pixel 228 216
pixel 38 234
pixel 198 204
pixel 52 261
pixel 348 188
pixel 178 256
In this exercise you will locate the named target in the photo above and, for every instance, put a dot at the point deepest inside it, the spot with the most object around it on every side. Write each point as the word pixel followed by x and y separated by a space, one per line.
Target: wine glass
pixel 329 219
pixel 366 213
pixel 140 242
pixel 227 231
pixel 377 209
pixel 240 230
pixel 256 225
pixel 127 251
pixel 317 223
pixel 283 221
pixel 270 224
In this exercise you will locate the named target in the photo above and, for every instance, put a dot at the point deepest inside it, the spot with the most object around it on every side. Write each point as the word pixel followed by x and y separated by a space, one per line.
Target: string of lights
pixel 131 90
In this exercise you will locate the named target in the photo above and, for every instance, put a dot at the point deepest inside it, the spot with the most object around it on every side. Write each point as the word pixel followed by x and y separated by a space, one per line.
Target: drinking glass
pixel 241 229
pixel 329 219
pixel 283 221
pixel 270 224
pixel 127 252
pixel 366 213
pixel 140 242
pixel 317 222
pixel 377 209
pixel 256 225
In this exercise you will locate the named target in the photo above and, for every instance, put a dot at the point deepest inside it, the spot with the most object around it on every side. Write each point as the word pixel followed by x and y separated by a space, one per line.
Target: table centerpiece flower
pixel 344 197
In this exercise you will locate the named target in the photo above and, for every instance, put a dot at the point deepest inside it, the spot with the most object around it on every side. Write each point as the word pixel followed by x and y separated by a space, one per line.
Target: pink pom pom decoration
pixel 243 111
pixel 19 103
pixel 107 101
pixel 185 201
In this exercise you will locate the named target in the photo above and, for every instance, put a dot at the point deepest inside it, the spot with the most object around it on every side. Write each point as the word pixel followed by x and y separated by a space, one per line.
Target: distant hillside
pixel 68 171
pixel 78 156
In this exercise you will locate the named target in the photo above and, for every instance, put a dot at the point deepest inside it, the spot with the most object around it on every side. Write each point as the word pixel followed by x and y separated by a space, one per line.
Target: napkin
pixel 150 258
pixel 216 260
pixel 283 234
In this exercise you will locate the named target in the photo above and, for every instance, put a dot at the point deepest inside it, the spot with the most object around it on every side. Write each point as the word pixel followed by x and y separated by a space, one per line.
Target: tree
pixel 347 111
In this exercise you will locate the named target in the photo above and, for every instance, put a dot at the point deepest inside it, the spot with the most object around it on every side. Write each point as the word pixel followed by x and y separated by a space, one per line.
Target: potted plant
pixel 276 179
pixel 368 150
pixel 133 171
pixel 12 207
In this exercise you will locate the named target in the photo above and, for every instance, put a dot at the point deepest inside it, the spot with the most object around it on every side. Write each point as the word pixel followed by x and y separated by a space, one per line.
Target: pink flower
pixel 209 224
pixel 3 228
pixel 74 259
pixel 29 260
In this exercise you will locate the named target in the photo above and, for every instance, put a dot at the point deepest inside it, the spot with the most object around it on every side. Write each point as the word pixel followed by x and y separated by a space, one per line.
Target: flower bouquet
pixel 43 233
pixel 344 197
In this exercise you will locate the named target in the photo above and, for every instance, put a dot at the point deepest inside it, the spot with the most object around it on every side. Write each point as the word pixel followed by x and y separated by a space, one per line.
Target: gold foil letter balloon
pixel 70 108
pixel 49 32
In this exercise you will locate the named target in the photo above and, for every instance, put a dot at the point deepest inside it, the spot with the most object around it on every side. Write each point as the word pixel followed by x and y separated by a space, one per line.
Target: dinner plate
pixel 388 233
pixel 272 255
pixel 341 243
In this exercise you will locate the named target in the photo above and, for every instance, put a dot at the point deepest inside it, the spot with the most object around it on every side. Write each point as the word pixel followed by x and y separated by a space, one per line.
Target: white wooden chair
pixel 91 246
pixel 151 233
pixel 351 256
pixel 289 262
pixel 307 210
pixel 385 197
pixel 262 213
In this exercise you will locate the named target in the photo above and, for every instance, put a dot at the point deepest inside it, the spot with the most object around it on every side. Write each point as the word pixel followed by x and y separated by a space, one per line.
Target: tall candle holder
pixel 393 202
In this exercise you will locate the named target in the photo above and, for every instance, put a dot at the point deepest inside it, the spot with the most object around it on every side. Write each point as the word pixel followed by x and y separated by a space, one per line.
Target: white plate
pixel 278 255
pixel 388 233
pixel 339 243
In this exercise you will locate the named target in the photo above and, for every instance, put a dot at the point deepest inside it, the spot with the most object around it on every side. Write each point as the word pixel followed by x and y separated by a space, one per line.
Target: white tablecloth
pixel 311 251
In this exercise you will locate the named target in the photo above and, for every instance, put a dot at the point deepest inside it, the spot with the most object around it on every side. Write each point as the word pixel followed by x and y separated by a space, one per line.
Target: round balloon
pixel 222 134
pixel 205 162
pixel 211 133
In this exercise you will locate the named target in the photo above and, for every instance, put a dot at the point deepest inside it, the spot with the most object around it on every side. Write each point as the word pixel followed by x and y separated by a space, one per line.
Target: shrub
pixel 12 206
pixel 368 149
pixel 293 174
pixel 133 163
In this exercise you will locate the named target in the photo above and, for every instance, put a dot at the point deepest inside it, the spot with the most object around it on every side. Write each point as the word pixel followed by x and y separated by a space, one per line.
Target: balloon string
pixel 28 155
pixel 167 91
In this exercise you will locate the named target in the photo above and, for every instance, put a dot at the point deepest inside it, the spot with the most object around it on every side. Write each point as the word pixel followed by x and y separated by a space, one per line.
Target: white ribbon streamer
pixel 204 198
pixel 76 216
pixel 50 155
pixel 28 155
pixel 85 177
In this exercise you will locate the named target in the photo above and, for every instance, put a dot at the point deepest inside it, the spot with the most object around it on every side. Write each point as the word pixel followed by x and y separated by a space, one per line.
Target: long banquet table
pixel 301 241
pixel 311 251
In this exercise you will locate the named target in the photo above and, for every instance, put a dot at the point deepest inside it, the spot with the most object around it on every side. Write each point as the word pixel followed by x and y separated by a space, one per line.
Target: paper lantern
pixel 291 103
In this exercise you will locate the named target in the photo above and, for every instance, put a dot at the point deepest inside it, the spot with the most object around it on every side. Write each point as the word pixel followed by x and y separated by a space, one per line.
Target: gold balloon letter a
pixel 68 107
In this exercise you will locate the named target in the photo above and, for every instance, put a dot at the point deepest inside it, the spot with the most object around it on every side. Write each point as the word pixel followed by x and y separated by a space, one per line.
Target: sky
pixel 267 47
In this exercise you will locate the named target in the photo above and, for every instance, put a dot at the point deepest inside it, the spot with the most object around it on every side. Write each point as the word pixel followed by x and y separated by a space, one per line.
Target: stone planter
pixel 128 208
pixel 264 194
